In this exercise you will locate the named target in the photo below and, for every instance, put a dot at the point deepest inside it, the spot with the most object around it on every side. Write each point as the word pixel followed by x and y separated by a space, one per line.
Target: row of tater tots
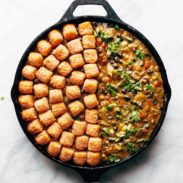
pixel 58 83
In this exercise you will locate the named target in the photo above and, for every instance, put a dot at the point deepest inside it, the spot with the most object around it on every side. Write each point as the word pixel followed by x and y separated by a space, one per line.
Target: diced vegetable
pixel 131 148
pixel 149 87
pixel 113 159
pixel 139 54
pixel 111 89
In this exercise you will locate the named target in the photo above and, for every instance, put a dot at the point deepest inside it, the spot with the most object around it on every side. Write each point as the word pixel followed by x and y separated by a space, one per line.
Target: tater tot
pixel 67 139
pixel 44 75
pixel 70 32
pixel 55 96
pixel 91 116
pixel 91 70
pixel 76 61
pixel 76 107
pixel 94 144
pixel 41 90
pixel 35 127
pixel 29 72
pixel 44 47
pixel 75 46
pixel 25 87
pixel 54 148
pixel 61 52
pixel 91 101
pixel 89 41
pixel 42 138
pixel 47 118
pixel 90 86
pixel 29 114
pixel 85 28
pixel 58 109
pixel 66 154
pixel 93 158
pixel 79 128
pixel 57 81
pixel 77 78
pixel 64 69
pixel 79 158
pixel 26 101
pixel 55 37
pixel 73 92
pixel 90 56
pixel 35 59
pixel 93 130
pixel 51 62
pixel 81 142
pixel 55 130
pixel 42 105
pixel 65 121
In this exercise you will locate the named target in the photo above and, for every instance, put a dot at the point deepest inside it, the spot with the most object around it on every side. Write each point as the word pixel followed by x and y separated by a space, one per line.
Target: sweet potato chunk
pixel 66 154
pixel 70 32
pixel 55 37
pixel 91 70
pixel 91 101
pixel 75 46
pixel 67 139
pixel 44 47
pixel 81 142
pixel 51 62
pixel 79 128
pixel 93 130
pixel 55 130
pixel 54 148
pixel 64 69
pixel 61 52
pixel 29 72
pixel 35 59
pixel 76 108
pixel 85 28
pixel 91 116
pixel 65 121
pixel 26 101
pixel 42 138
pixel 73 92
pixel 77 78
pixel 35 127
pixel 76 61
pixel 79 158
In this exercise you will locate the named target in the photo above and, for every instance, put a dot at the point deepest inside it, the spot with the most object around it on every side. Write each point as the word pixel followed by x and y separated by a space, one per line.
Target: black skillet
pixel 90 174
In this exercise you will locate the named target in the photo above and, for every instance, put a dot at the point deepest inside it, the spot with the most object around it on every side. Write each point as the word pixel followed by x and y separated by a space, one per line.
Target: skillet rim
pixel 141 37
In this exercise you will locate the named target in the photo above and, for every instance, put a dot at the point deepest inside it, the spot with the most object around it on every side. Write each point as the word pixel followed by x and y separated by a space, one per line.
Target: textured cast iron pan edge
pixel 91 174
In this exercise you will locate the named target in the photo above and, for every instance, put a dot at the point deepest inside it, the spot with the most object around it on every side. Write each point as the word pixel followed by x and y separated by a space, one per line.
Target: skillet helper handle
pixel 110 12
pixel 91 176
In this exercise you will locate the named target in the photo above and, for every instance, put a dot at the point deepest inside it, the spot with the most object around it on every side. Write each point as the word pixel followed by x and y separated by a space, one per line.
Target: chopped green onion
pixel 131 148
pixel 139 54
pixel 113 158
pixel 149 87
pixel 111 89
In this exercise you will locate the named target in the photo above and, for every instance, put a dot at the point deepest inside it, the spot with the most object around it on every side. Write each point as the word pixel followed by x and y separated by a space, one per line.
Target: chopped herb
pixel 118 116
pixel 149 87
pixel 111 89
pixel 110 106
pixel 128 133
pixel 1 98
pixel 113 158
pixel 134 116
pixel 113 48
pixel 131 148
pixel 139 54
pixel 104 36
pixel 116 27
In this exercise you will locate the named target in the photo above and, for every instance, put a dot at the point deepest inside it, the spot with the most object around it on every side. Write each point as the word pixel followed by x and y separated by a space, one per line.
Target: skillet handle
pixel 91 175
pixel 110 12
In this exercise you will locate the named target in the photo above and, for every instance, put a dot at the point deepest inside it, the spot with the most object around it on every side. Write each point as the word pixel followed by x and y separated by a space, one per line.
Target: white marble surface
pixel 161 21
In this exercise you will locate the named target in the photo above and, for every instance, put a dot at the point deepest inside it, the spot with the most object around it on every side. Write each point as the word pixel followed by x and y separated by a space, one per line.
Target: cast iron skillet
pixel 90 174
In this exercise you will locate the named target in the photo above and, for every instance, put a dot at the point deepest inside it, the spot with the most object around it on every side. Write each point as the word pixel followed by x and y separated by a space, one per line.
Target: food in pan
pixel 91 93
